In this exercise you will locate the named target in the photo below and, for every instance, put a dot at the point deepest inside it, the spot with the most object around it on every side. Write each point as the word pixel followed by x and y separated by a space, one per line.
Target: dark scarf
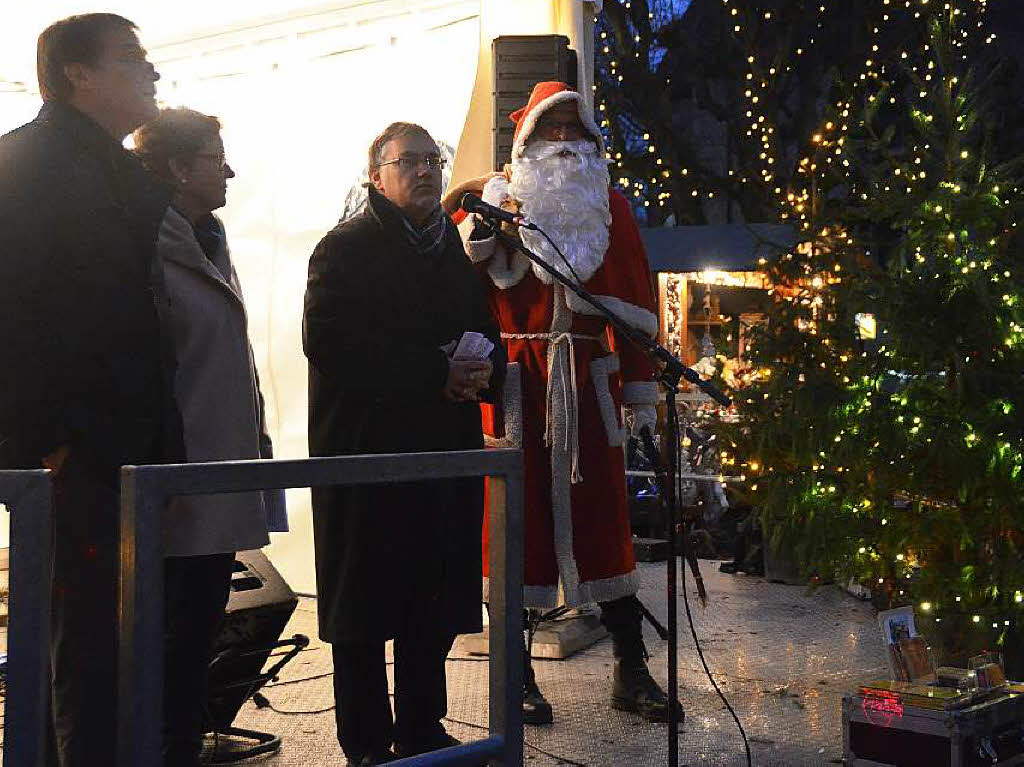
pixel 430 239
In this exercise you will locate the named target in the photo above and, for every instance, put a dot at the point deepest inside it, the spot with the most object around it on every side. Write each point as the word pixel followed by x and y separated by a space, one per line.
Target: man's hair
pixel 390 133
pixel 174 134
pixel 74 40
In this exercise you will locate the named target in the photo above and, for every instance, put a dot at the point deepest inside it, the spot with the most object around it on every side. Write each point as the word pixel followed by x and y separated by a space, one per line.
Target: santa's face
pixel 560 123
pixel 562 187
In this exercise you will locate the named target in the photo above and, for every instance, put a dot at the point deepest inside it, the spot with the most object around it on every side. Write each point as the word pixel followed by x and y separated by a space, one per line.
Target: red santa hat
pixel 544 96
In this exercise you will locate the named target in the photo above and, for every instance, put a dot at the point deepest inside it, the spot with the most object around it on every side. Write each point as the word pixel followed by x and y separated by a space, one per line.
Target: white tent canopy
pixel 300 92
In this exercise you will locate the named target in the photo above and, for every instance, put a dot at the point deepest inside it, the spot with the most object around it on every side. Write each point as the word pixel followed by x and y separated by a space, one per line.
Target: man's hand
pixel 466 379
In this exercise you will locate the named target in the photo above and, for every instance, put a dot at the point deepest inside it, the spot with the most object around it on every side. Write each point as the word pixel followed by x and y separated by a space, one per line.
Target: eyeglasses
pixel 222 162
pixel 432 161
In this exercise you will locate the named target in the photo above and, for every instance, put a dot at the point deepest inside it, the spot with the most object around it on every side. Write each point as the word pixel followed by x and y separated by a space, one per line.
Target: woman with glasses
pixel 217 392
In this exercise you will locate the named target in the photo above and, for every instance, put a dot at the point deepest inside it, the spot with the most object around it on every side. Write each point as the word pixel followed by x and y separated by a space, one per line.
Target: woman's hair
pixel 393 131
pixel 74 40
pixel 177 134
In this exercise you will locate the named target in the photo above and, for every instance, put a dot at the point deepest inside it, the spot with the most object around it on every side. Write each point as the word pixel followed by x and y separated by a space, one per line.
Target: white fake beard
pixel 562 187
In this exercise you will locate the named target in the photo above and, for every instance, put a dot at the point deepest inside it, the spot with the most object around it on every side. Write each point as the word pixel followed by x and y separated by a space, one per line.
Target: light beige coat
pixel 216 391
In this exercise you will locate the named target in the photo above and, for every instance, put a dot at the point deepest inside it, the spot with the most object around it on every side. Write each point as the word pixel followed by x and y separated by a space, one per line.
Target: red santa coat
pixel 576 375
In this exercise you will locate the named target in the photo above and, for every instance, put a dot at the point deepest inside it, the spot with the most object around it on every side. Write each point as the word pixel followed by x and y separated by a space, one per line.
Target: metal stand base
pixel 265 743
pixel 554 640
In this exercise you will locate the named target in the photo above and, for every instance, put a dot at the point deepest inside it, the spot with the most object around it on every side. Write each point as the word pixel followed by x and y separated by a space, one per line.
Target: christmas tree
pixel 708 104
pixel 882 431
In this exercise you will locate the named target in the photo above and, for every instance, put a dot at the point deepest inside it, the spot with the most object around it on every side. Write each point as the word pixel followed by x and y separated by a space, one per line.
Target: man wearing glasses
pixel 390 292
pixel 84 389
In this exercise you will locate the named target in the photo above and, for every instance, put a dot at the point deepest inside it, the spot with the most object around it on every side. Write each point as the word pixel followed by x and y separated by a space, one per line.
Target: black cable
pixel 678 457
pixel 561 759
pixel 301 679
pixel 274 708
pixel 261 701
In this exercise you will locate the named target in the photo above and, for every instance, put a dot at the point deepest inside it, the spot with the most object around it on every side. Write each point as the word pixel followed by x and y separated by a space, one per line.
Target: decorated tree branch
pixel 882 426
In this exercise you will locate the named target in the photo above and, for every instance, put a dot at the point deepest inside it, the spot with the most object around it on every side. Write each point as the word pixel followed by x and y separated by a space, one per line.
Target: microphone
pixel 472 203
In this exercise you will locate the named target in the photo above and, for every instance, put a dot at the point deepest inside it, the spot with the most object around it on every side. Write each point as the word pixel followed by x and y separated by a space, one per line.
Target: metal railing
pixel 145 491
pixel 28 496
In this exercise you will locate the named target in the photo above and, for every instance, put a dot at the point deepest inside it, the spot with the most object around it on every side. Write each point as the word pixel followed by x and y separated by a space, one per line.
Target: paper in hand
pixel 473 346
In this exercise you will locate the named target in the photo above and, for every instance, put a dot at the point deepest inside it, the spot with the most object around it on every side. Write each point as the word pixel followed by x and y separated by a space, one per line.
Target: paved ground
pixel 783 658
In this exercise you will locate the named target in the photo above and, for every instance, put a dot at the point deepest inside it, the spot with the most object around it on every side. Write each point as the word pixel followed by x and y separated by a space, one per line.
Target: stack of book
pixel 918 695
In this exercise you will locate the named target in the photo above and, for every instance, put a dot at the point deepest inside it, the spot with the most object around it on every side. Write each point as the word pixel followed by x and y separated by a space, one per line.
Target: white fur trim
pixel 633 315
pixel 507 269
pixel 530 120
pixel 600 370
pixel 480 250
pixel 561 472
pixel 607 589
pixel 533 596
pixel 641 393
pixel 476 250
pixel 495 191
pixel 512 407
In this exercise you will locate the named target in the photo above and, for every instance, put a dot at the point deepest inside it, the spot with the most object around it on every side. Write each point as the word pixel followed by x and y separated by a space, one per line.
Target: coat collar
pixel 178 245
pixel 394 223
pixel 142 198
pixel 85 132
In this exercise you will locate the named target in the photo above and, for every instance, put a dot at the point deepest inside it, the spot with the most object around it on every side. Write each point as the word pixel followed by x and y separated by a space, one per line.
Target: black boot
pixel 633 688
pixel 536 709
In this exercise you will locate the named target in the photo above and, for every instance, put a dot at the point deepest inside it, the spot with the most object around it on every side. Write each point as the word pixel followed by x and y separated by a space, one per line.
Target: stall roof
pixel 727 247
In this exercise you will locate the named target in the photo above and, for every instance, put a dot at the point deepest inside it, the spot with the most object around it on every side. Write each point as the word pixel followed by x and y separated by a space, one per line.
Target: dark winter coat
pixel 81 356
pixel 376 313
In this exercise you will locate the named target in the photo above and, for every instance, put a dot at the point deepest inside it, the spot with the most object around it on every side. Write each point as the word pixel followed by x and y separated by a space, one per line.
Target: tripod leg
pixel 536 708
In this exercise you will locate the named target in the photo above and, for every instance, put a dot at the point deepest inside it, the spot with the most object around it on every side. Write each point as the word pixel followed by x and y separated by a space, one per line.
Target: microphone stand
pixel 669 371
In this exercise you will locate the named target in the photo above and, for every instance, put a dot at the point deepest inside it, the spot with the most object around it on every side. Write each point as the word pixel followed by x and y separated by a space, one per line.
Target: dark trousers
pixel 84 628
pixel 363 713
pixel 84 618
pixel 196 590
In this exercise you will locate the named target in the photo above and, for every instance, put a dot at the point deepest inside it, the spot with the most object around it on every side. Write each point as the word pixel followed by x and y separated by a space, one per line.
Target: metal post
pixel 145 491
pixel 505 646
pixel 140 614
pixel 29 499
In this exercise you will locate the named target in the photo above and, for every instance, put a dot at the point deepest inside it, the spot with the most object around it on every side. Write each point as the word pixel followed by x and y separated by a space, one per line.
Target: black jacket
pixel 81 356
pixel 376 313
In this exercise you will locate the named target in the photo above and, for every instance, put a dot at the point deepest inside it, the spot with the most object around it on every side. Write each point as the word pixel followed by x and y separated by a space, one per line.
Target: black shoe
pixel 730 568
pixel 536 709
pixel 634 690
pixel 444 740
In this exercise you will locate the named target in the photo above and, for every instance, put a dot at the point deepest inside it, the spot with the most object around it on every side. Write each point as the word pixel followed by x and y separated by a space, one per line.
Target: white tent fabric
pixel 300 102
pixel 301 92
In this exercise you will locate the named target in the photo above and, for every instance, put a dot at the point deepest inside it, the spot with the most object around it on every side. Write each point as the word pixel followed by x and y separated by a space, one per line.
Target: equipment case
pixel 880 731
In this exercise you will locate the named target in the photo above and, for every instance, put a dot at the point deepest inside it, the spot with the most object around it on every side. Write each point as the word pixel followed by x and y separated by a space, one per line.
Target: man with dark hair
pixel 84 385
pixel 389 291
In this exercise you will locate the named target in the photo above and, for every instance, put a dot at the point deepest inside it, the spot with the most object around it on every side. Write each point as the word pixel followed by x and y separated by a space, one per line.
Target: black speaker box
pixel 520 62
pixel 259 607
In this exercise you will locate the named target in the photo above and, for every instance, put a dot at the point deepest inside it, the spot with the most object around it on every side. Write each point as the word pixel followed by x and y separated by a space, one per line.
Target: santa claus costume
pixel 576 376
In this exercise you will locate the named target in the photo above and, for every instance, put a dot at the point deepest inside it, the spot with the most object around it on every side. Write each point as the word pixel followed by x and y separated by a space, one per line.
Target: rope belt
pixel 562 352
